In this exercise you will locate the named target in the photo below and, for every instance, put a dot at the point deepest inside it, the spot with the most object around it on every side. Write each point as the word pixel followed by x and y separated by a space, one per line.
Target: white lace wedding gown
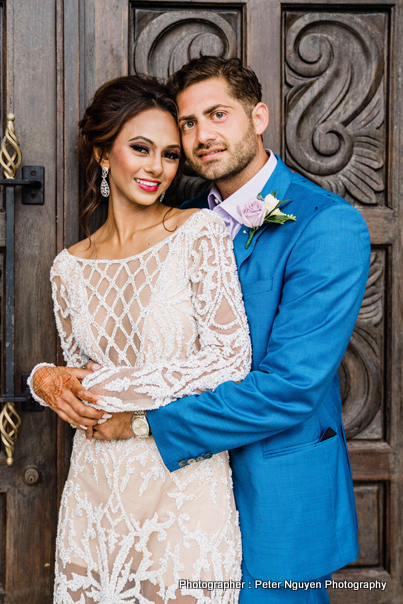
pixel 163 324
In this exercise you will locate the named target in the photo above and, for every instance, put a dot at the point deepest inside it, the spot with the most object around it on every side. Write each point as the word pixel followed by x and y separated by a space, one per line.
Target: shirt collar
pixel 249 190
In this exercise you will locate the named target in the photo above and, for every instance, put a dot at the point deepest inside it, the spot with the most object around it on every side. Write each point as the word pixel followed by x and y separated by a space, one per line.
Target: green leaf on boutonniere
pixel 252 231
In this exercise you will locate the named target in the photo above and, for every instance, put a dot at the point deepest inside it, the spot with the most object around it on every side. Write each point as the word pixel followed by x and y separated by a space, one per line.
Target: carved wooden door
pixel 28 488
pixel 330 75
pixel 338 130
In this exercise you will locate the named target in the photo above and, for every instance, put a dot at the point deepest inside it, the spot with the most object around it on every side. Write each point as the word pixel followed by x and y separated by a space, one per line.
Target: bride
pixel 153 298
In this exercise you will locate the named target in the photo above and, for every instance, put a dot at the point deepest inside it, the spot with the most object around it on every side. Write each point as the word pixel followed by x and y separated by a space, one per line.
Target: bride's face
pixel 144 158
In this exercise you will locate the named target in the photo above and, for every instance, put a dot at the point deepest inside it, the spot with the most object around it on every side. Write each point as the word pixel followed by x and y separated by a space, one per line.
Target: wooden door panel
pixel 28 511
pixel 362 369
pixel 164 40
pixel 371 508
pixel 337 131
pixel 335 101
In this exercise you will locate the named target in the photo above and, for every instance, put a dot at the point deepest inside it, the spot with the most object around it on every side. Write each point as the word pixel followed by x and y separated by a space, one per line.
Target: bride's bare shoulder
pixel 83 249
pixel 179 217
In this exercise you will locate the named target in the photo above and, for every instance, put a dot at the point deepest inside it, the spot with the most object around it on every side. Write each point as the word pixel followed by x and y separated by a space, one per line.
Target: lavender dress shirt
pixel 227 209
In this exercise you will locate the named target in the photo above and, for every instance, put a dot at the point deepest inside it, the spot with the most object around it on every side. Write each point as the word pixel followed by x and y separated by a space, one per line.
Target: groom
pixel 303 284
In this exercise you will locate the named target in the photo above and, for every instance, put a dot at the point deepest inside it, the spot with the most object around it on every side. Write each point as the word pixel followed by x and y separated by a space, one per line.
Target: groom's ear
pixel 260 117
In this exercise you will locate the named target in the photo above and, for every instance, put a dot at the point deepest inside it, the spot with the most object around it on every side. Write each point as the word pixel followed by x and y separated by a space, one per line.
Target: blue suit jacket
pixel 303 284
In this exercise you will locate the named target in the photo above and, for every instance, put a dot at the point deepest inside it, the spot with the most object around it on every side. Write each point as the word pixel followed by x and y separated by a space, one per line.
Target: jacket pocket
pixel 257 287
pixel 295 448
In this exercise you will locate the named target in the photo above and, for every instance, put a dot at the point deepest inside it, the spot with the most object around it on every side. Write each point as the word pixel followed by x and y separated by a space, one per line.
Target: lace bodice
pixel 163 324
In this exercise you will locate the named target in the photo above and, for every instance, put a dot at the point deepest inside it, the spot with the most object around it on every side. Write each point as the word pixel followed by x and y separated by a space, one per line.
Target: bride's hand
pixel 61 389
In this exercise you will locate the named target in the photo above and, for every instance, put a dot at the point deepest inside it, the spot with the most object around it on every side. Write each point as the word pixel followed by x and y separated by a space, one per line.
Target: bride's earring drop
pixel 162 196
pixel 104 184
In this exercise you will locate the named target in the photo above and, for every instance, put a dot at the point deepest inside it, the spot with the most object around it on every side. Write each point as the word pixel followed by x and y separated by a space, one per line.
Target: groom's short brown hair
pixel 242 81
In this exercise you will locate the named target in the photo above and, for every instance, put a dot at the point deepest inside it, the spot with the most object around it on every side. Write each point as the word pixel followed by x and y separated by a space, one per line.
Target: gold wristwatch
pixel 140 425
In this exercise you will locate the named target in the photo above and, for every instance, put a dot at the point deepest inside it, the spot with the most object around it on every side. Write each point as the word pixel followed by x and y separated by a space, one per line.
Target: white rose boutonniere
pixel 258 211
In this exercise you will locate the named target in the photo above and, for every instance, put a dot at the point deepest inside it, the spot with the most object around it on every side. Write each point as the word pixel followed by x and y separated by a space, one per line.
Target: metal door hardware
pixel 32 184
pixel 31 476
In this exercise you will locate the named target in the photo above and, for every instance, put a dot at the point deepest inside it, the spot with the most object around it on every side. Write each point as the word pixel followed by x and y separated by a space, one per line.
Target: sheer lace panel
pixel 118 297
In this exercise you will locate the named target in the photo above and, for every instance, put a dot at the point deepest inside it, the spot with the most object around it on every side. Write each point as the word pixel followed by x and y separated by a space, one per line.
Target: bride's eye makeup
pixel 144 150
pixel 139 148
pixel 172 155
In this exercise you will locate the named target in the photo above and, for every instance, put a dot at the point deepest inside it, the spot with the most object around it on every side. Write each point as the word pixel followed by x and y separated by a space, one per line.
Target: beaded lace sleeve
pixel 72 354
pixel 222 332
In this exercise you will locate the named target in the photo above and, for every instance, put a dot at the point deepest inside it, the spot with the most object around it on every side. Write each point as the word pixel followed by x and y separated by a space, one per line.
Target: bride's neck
pixel 126 219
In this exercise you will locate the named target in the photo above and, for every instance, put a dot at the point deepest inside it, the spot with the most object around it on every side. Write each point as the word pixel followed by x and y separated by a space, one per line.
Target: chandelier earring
pixel 104 183
pixel 162 196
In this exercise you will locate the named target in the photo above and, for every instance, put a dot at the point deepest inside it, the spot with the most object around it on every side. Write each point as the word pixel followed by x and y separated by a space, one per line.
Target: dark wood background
pixel 331 77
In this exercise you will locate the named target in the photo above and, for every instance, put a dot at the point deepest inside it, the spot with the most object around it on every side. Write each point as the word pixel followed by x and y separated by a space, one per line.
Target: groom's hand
pixel 118 427
pixel 93 366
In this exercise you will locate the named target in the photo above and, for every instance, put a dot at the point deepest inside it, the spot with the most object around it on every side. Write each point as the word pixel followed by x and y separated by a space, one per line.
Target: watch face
pixel 140 427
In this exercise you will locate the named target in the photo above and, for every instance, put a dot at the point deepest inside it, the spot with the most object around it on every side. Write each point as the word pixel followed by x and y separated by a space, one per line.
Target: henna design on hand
pixel 50 382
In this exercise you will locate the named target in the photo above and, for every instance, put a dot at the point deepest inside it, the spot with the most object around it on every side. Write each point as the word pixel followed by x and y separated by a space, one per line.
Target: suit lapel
pixel 240 251
pixel 279 181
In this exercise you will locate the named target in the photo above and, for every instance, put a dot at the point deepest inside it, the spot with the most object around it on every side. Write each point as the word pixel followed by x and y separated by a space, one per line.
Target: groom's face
pixel 218 134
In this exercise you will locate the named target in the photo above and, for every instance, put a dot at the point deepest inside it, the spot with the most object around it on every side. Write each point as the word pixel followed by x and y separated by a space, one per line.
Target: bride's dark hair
pixel 114 103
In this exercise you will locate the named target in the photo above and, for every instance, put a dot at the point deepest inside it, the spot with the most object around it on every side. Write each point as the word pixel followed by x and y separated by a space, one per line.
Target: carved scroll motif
pixel 175 37
pixel 334 105
pixel 361 369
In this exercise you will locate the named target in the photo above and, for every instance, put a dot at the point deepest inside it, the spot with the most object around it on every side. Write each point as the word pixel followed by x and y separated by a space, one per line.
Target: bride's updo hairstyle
pixel 114 103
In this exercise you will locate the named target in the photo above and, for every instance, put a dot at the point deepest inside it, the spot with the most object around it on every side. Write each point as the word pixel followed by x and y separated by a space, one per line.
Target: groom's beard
pixel 236 158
